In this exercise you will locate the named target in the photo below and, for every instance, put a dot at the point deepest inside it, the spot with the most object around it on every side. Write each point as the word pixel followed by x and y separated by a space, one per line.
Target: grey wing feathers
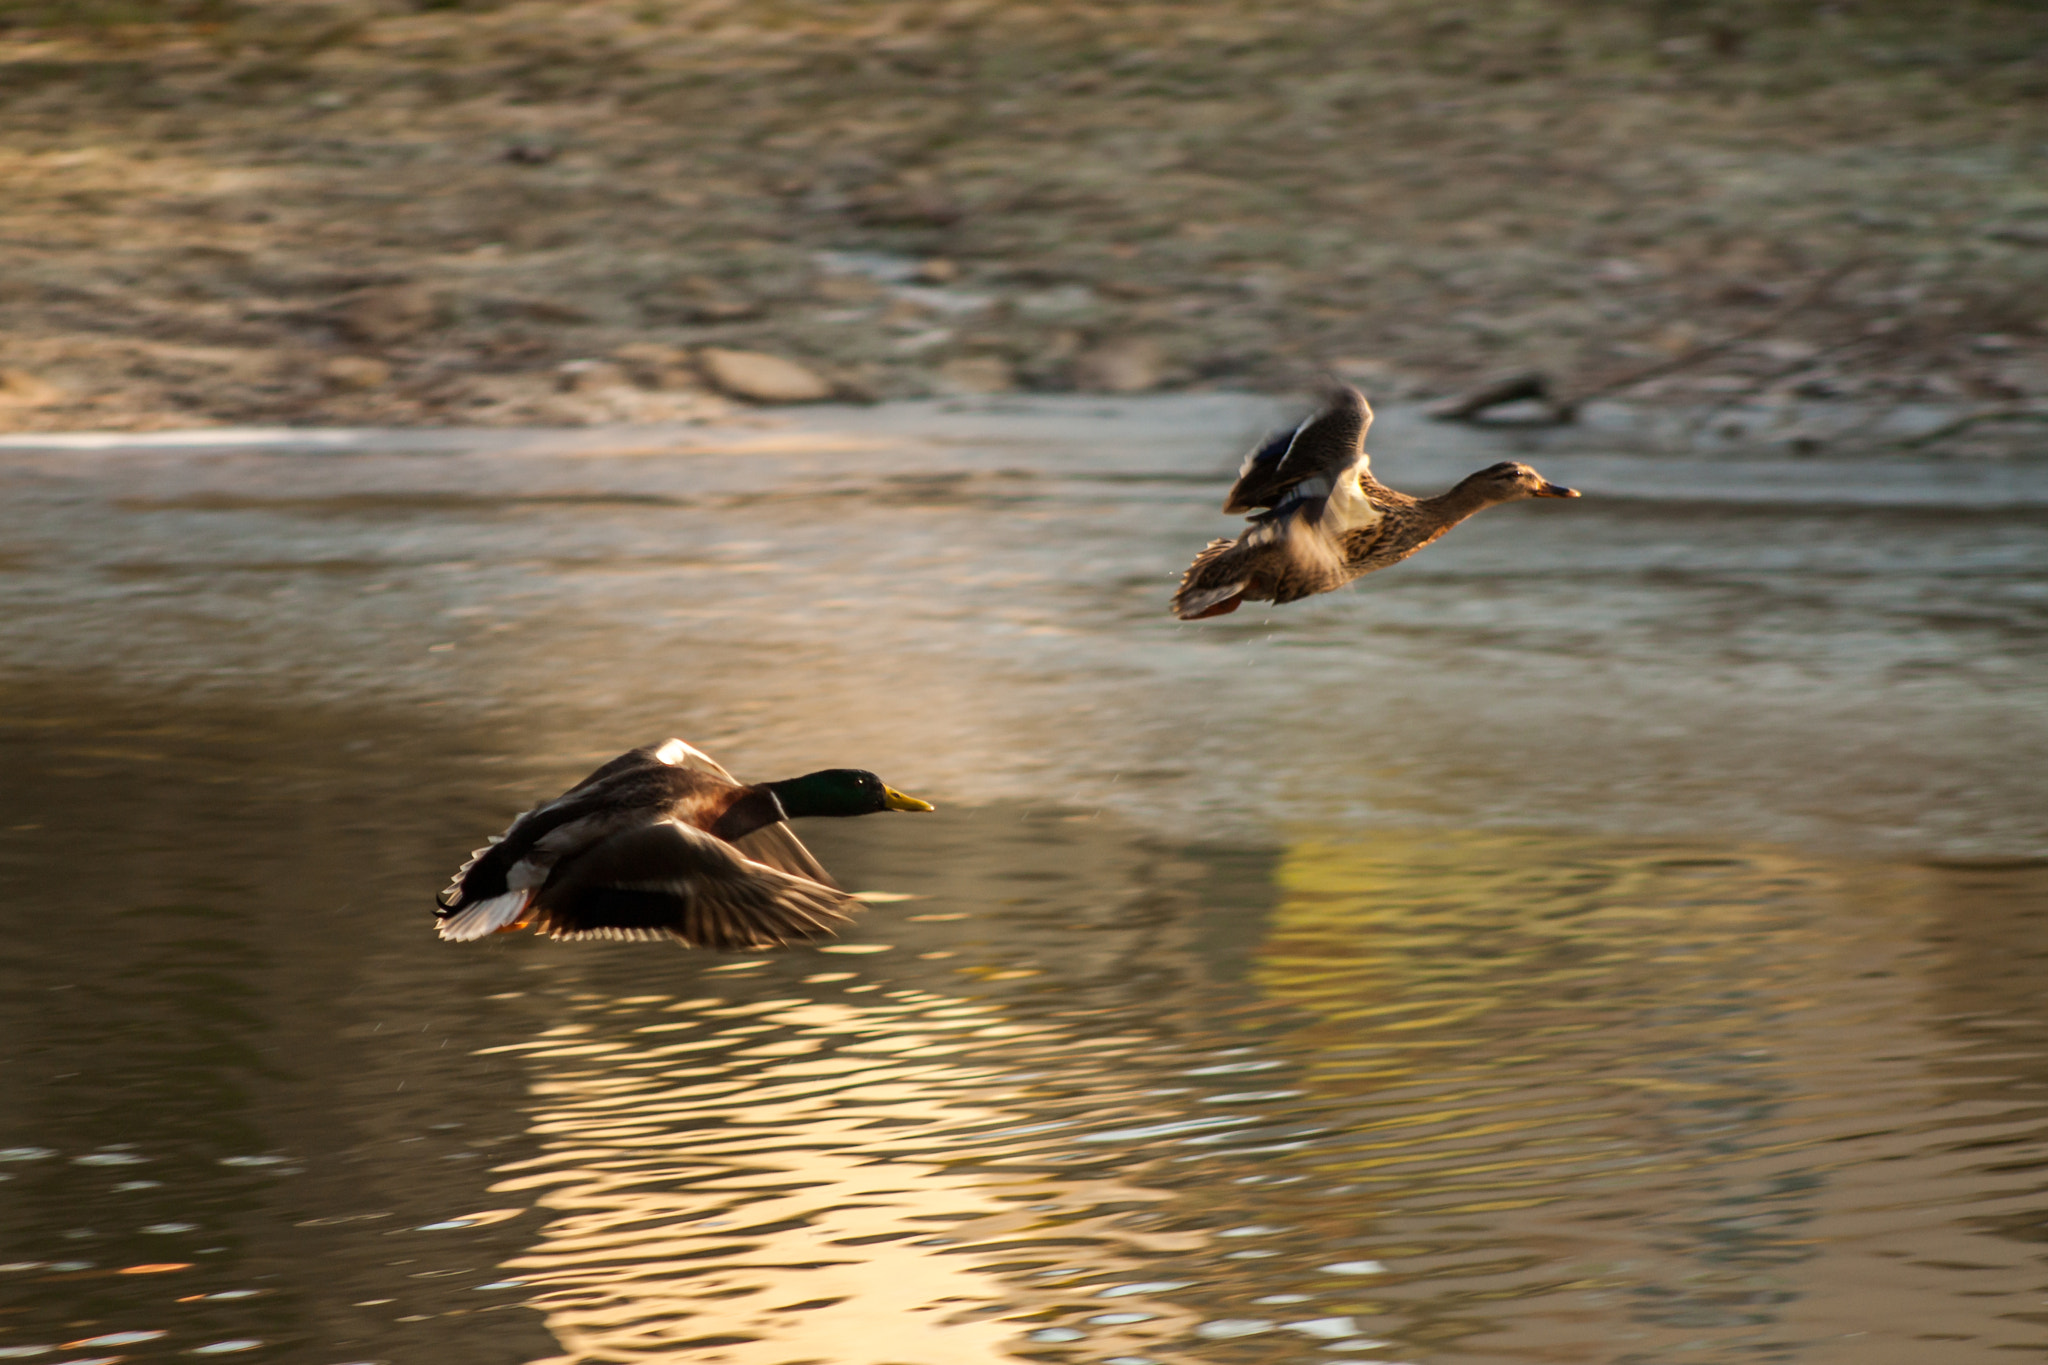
pixel 457 889
pixel 775 845
pixel 668 753
pixel 646 756
pixel 605 860
pixel 1319 451
pixel 778 847
pixel 666 879
pixel 527 826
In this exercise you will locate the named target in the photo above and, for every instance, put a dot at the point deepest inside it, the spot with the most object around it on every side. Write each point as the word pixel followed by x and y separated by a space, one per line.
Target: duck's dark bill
pixel 1553 490
pixel 896 800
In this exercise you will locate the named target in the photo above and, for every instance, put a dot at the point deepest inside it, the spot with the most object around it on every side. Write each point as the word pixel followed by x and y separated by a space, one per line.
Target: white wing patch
pixel 677 754
pixel 1349 509
pixel 572 837
pixel 485 917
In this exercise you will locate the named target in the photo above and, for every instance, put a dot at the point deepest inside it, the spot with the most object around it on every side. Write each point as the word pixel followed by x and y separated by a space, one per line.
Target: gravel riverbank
pixel 363 211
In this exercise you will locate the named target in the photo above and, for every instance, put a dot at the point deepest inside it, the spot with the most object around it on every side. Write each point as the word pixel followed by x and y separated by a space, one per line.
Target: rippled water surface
pixel 1617 935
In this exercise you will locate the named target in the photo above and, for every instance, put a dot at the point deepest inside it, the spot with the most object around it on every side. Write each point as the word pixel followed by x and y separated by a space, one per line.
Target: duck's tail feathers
pixel 1210 583
pixel 485 917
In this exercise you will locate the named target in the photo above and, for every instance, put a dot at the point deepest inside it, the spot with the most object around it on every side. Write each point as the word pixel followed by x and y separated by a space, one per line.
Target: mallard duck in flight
pixel 662 842
pixel 1326 520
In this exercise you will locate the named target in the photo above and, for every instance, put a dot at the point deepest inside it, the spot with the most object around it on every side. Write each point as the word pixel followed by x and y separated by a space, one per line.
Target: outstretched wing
pixel 521 856
pixel 1308 461
pixel 501 886
pixel 668 880
pixel 776 844
pixel 495 889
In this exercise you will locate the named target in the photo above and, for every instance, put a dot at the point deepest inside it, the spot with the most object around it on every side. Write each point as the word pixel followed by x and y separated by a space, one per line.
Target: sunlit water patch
pixel 971 599
pixel 1607 939
pixel 1471 1097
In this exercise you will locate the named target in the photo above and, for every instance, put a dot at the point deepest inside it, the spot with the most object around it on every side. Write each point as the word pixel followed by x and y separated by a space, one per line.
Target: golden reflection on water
pixel 1398 1096
pixel 746 1180
pixel 1703 1081
pixel 1483 1096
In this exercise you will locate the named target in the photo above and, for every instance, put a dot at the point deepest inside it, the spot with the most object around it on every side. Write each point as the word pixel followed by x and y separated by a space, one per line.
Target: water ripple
pixel 1522 1105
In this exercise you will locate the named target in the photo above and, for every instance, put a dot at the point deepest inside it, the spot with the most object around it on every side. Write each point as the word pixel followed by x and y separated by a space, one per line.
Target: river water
pixel 1616 935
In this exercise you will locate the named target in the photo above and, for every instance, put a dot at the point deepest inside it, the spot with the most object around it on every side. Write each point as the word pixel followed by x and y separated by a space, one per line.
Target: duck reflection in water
pixel 662 842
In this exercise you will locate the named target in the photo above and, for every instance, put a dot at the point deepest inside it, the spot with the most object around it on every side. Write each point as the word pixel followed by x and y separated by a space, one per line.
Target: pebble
pixel 388 313
pixel 591 376
pixel 761 378
pixel 720 309
pixel 1119 365
pixel 356 372
pixel 655 365
pixel 977 374
pixel 20 389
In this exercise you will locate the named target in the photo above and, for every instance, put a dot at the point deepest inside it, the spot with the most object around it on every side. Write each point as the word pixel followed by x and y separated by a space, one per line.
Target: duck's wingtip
pixel 1223 608
pixel 1219 600
pixel 483 918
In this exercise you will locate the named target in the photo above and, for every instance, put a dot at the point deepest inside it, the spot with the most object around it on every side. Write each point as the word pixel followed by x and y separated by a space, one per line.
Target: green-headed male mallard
pixel 1326 519
pixel 662 842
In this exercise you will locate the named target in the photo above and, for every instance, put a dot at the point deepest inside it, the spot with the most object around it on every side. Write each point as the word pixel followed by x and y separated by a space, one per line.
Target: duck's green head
pixel 841 791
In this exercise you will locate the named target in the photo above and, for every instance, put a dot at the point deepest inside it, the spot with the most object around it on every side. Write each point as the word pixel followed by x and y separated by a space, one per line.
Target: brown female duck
pixel 1326 520
pixel 662 842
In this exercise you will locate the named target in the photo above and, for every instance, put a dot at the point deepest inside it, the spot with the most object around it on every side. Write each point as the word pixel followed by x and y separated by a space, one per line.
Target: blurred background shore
pixel 484 213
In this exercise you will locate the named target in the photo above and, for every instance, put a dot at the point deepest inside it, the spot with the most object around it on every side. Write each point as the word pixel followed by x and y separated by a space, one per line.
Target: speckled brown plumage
pixel 1325 519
